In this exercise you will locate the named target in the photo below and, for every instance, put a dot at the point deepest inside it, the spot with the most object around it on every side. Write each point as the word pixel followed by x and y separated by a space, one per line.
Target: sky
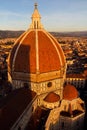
pixel 56 15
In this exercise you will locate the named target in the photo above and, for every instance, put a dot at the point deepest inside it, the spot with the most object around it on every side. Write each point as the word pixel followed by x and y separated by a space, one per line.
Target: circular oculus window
pixel 49 84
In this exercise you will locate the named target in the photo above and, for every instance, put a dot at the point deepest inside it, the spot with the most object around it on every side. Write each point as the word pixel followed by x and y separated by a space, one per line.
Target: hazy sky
pixel 57 15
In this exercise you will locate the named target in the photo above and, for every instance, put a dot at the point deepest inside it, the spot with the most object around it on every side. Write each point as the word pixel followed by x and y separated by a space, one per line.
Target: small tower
pixel 36 19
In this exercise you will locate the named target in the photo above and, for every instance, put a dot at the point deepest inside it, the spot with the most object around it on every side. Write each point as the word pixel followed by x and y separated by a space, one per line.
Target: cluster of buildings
pixel 75 51
pixel 76 55
pixel 5 47
pixel 43 97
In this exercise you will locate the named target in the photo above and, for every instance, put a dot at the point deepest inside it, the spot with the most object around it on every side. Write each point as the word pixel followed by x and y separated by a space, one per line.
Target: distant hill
pixel 10 34
pixel 15 34
pixel 70 34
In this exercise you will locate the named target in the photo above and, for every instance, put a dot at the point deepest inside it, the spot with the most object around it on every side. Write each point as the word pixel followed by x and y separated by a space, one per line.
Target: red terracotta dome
pixel 36 50
pixel 70 92
pixel 52 97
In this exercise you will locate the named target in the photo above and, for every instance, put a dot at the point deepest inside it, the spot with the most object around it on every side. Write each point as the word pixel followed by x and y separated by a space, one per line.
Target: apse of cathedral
pixel 40 99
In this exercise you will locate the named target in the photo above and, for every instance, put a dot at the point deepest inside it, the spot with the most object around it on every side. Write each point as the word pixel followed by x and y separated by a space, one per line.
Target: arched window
pixel 34 24
pixel 37 24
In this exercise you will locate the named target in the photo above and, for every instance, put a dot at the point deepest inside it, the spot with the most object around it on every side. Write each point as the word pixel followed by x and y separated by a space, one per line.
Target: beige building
pixel 78 80
pixel 37 70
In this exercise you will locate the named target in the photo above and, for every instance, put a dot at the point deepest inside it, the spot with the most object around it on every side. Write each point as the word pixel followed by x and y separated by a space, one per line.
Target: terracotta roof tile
pixel 48 57
pixel 52 97
pixel 14 107
pixel 60 51
pixel 25 57
pixel 75 76
pixel 14 50
pixel 70 92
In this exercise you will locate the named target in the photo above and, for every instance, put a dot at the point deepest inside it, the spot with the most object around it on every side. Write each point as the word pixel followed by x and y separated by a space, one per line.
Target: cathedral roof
pixel 70 92
pixel 52 97
pixel 36 50
pixel 13 106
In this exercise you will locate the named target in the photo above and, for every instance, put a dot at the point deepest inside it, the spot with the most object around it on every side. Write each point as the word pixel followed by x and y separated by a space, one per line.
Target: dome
pixel 70 92
pixel 36 51
pixel 52 97
pixel 31 55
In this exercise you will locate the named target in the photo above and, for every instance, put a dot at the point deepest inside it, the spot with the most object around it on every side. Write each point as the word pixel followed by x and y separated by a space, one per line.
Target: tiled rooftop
pixel 13 106
pixel 50 54
pixel 52 97
pixel 70 92
pixel 74 76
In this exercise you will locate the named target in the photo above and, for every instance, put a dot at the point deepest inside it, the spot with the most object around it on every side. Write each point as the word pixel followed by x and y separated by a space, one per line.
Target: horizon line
pixel 47 30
